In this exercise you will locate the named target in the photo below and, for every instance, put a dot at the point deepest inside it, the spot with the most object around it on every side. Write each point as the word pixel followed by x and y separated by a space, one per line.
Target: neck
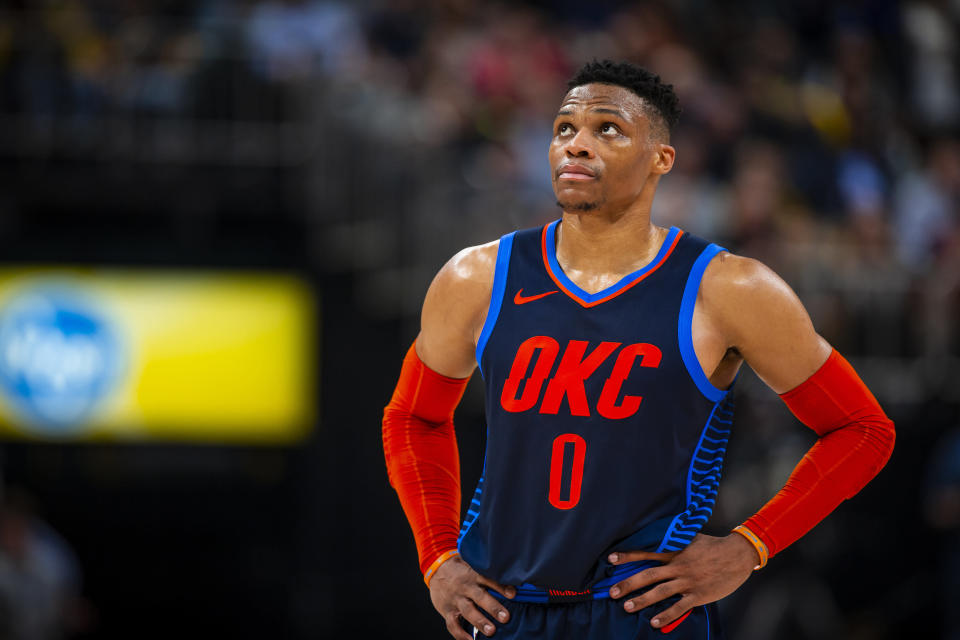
pixel 595 249
pixel 584 240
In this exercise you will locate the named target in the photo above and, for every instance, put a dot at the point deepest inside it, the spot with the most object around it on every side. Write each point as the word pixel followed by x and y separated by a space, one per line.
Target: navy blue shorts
pixel 601 619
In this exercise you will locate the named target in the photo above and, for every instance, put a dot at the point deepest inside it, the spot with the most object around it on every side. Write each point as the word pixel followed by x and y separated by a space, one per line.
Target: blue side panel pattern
pixel 703 478
pixel 472 512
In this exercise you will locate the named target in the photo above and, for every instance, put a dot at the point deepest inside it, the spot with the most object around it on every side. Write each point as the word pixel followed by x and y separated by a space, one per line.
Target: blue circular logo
pixel 58 358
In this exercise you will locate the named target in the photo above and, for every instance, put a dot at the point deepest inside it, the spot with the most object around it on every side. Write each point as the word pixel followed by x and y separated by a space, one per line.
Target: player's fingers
pixel 473 615
pixel 506 590
pixel 619 557
pixel 642 579
pixel 660 592
pixel 491 605
pixel 673 613
pixel 454 628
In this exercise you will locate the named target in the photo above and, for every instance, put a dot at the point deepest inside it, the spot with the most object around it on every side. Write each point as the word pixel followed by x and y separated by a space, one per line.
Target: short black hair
pixel 658 97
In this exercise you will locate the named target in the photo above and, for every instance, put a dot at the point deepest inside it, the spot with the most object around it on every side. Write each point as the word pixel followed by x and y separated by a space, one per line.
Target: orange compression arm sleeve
pixel 420 448
pixel 856 440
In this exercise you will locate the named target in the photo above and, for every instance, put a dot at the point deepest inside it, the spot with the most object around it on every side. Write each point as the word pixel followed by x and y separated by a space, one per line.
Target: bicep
pixel 444 349
pixel 769 326
pixel 453 310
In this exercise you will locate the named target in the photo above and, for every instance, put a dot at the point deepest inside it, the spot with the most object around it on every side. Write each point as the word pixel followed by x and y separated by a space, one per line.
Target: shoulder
pixel 759 316
pixel 730 281
pixel 469 272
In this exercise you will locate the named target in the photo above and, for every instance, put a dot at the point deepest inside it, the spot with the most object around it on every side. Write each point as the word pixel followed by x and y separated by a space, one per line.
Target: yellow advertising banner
pixel 94 354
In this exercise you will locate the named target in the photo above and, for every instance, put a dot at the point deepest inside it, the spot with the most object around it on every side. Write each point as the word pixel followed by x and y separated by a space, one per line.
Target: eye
pixel 608 128
pixel 563 129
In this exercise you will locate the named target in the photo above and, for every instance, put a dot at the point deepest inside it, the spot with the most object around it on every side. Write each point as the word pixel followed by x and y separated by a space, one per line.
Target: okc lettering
pixel 576 366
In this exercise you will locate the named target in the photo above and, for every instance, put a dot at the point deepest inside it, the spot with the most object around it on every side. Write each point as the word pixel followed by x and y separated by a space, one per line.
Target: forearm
pixel 856 440
pixel 420 449
pixel 420 464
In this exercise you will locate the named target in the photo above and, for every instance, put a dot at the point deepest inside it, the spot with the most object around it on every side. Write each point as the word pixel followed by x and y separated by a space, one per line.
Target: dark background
pixel 359 145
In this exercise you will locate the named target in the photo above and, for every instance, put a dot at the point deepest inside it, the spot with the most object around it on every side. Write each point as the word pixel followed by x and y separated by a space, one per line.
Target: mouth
pixel 575 172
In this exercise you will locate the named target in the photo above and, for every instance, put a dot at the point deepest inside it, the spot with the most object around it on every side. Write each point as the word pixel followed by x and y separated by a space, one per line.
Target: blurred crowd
pixel 820 137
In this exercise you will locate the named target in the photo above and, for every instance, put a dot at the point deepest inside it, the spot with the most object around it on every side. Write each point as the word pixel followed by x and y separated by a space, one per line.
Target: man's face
pixel 602 152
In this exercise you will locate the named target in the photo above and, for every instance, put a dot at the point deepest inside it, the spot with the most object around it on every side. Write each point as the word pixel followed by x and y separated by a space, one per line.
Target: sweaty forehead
pixel 604 96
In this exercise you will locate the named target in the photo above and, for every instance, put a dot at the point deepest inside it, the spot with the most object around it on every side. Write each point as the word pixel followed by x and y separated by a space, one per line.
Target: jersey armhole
pixel 496 296
pixel 685 325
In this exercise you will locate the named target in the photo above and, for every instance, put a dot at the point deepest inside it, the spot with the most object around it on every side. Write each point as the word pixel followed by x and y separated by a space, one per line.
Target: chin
pixel 581 206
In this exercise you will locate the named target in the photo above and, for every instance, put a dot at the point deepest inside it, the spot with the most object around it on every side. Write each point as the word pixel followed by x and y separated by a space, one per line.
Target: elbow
pixel 863 449
pixel 879 437
pixel 396 420
pixel 887 437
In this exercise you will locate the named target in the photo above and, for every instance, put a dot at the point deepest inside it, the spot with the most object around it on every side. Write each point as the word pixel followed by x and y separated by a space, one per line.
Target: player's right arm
pixel 420 443
pixel 454 311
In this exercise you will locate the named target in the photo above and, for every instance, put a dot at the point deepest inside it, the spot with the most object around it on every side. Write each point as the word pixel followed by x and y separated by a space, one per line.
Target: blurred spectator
pixel 693 198
pixel 927 204
pixel 942 509
pixel 292 39
pixel 758 198
pixel 932 36
pixel 39 576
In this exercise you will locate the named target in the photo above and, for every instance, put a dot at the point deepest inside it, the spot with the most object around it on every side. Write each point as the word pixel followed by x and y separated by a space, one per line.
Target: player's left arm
pixel 747 311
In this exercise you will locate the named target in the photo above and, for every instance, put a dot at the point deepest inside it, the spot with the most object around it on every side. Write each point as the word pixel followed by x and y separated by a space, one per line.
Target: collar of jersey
pixel 549 246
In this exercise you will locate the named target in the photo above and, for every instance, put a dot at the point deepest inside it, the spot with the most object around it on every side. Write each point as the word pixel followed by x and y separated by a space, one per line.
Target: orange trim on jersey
pixel 676 623
pixel 583 303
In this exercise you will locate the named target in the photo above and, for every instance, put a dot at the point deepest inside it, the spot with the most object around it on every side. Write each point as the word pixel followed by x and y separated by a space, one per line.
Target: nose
pixel 580 145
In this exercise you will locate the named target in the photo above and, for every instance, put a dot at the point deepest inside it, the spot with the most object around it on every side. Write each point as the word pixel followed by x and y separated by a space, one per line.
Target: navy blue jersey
pixel 603 432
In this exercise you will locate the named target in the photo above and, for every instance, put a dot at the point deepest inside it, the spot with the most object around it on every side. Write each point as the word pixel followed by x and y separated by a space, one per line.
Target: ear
pixel 663 161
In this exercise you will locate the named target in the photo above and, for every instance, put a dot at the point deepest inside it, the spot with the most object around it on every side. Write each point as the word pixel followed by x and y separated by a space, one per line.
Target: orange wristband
pixel 436 565
pixel 757 544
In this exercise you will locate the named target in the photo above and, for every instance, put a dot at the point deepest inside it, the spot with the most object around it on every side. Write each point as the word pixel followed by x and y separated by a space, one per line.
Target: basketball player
pixel 608 347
